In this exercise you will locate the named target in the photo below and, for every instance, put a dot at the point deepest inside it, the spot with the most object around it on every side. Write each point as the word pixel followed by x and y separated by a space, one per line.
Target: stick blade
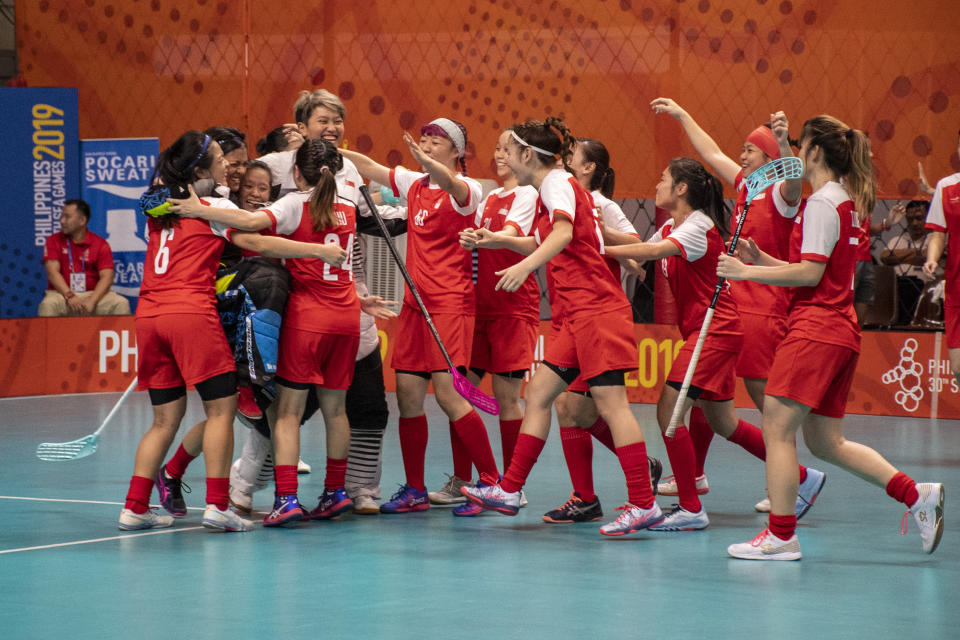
pixel 785 168
pixel 473 395
pixel 74 450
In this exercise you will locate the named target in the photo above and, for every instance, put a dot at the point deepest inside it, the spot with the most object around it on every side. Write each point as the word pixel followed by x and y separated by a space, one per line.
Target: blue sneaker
pixel 405 500
pixel 286 510
pixel 467 510
pixel 808 491
pixel 333 502
pixel 171 491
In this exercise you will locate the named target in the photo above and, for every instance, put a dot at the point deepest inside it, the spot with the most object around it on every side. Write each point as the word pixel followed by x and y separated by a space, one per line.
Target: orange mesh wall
pixel 158 67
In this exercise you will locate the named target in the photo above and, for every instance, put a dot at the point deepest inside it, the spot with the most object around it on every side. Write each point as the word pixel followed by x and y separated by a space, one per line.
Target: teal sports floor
pixel 66 571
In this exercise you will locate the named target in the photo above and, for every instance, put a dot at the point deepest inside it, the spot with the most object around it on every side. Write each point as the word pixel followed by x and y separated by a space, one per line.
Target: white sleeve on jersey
pixel 613 215
pixel 821 228
pixel 524 209
pixel 478 216
pixel 220 203
pixel 786 210
pixel 473 200
pixel 556 193
pixel 281 168
pixel 402 179
pixel 658 234
pixel 286 212
pixel 691 235
pixel 935 216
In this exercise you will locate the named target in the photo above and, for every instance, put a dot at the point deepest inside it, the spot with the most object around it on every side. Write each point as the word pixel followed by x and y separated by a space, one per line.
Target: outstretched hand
pixel 418 154
pixel 377 307
pixel 668 106
pixel 512 277
pixel 189 207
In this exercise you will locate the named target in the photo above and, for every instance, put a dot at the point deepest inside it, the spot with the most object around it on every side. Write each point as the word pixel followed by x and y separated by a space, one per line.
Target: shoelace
pixel 403 488
pixel 759 538
pixel 573 502
pixel 905 522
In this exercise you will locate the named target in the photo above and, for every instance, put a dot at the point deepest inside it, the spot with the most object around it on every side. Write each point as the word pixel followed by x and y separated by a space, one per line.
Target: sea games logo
pixel 907 374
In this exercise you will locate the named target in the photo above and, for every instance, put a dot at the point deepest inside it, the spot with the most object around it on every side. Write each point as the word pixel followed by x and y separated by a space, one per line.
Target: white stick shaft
pixel 688 376
pixel 116 407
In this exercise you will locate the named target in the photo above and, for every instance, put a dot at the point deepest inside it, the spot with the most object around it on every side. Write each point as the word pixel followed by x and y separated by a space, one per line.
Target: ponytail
pixel 603 178
pixel 846 152
pixel 176 168
pixel 704 191
pixel 318 162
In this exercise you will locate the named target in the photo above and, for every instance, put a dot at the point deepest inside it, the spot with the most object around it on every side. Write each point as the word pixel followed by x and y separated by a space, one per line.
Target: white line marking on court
pixel 153 506
pixel 123 537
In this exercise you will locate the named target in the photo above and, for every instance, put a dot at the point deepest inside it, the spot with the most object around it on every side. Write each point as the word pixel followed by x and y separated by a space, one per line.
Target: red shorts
pixel 324 359
pixel 181 349
pixel 503 344
pixel 415 348
pixel 756 356
pixel 951 317
pixel 716 371
pixel 815 374
pixel 596 344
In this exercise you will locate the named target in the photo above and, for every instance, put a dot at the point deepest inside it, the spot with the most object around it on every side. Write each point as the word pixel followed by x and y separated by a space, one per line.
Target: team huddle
pixel 298 336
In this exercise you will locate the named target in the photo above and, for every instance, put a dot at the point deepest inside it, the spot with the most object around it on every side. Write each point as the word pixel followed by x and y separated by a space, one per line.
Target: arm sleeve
pixel 285 214
pixel 523 211
pixel 821 231
pixel 473 200
pixel 402 179
pixel 691 236
pixel 936 220
pixel 787 211
pixel 614 218
pixel 51 250
pixel 558 197
pixel 105 257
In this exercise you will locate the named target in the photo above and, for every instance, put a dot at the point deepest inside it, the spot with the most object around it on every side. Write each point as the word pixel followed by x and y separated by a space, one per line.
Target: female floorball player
pixel 942 221
pixel 180 337
pixel 577 413
pixel 814 365
pixel 505 334
pixel 440 203
pixel 688 247
pixel 763 309
pixel 595 337
pixel 321 326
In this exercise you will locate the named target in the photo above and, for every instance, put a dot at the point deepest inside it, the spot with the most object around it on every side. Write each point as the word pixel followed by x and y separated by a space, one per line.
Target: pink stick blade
pixel 473 395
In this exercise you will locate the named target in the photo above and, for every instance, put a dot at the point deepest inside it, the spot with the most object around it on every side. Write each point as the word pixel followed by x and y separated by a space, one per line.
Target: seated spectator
pixel 79 266
pixel 907 252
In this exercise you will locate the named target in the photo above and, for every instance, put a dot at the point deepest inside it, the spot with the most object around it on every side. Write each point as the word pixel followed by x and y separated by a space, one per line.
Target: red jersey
pixel 441 270
pixel 323 298
pixel 693 279
pixel 829 234
pixel 944 216
pixel 769 223
pixel 580 282
pixel 180 267
pixel 500 209
pixel 612 216
pixel 89 257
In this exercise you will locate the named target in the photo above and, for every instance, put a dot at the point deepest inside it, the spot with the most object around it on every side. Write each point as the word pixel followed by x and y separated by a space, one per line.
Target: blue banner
pixel 114 174
pixel 40 168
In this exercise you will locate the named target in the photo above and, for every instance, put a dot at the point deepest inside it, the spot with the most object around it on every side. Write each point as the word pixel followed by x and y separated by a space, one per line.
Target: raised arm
pixel 439 174
pixel 791 190
pixel 702 142
pixel 368 169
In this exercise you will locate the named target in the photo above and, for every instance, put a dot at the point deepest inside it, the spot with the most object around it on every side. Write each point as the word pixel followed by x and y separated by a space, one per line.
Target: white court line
pixel 153 506
pixel 123 537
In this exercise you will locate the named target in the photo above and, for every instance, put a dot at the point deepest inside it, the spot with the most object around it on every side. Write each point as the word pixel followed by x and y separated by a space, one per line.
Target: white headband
pixel 527 144
pixel 453 132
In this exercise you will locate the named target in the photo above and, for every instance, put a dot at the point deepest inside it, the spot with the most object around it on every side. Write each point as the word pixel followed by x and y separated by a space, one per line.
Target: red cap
pixel 762 138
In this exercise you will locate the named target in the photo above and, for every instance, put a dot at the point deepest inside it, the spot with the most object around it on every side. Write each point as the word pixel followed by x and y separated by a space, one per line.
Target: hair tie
pixel 849 133
pixel 203 150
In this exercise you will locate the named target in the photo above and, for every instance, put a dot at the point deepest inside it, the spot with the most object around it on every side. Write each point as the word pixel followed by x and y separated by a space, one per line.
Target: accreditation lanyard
pixel 78 281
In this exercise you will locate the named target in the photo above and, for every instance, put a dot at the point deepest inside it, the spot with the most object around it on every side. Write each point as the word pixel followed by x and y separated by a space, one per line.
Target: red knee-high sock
pixel 683 463
pixel 178 463
pixel 633 459
pixel 524 457
pixel 509 430
pixel 701 435
pixel 578 452
pixel 285 478
pixel 138 495
pixel 902 488
pixel 750 437
pixel 413 448
pixel 803 474
pixel 473 433
pixel 601 431
pixel 783 526
pixel 336 473
pixel 462 464
pixel 218 490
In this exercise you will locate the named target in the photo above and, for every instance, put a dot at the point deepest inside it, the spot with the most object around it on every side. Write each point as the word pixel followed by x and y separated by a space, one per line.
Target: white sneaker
pixel 227 520
pixel 523 499
pixel 808 491
pixel 679 519
pixel 450 492
pixel 767 546
pixel 130 521
pixel 669 486
pixel 763 506
pixel 633 519
pixel 928 514
pixel 494 497
pixel 365 505
pixel 303 467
